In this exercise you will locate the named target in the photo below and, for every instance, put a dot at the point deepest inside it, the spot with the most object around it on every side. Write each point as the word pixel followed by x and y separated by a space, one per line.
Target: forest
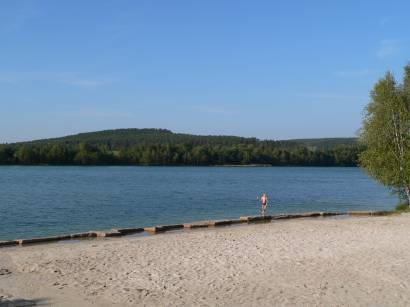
pixel 163 147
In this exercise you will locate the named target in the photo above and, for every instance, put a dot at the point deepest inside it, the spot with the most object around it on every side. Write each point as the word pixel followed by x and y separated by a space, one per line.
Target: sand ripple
pixel 326 262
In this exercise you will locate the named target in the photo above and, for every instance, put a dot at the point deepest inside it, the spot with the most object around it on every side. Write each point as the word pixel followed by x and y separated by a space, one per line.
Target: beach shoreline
pixel 353 261
pixel 118 232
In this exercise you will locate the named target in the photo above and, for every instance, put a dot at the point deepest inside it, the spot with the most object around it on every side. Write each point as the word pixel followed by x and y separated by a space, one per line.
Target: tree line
pixel 261 153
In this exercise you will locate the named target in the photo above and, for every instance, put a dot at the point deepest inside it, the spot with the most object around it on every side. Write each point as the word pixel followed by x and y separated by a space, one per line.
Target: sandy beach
pixel 305 262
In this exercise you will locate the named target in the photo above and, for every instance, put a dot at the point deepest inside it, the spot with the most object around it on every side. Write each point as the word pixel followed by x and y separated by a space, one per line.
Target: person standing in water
pixel 264 201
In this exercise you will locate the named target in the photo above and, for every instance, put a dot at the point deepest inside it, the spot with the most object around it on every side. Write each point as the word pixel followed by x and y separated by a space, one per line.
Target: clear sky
pixel 270 69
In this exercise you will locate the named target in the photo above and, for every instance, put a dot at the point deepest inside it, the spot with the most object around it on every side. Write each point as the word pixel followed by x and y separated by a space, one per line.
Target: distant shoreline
pixel 163 147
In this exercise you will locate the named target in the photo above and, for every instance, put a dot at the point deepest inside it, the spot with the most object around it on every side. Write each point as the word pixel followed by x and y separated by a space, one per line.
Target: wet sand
pixel 305 262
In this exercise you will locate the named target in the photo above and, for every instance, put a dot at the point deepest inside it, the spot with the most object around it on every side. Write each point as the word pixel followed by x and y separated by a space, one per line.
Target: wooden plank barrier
pixel 237 221
pixel 83 235
pixel 109 233
pixel 163 228
pixel 370 213
pixel 8 243
pixel 128 231
pixel 333 213
pixel 201 224
pixel 43 240
pixel 256 219
pixel 219 223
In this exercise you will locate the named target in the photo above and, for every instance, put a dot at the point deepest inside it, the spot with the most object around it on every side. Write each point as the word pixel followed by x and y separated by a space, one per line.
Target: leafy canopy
pixel 386 133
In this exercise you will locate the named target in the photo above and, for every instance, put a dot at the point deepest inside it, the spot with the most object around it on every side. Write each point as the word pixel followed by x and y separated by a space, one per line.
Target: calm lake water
pixel 45 200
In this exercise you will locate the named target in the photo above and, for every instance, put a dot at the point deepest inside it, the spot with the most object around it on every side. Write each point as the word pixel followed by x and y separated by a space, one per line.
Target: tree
pixel 26 155
pixel 57 154
pixel 386 134
pixel 85 155
pixel 6 154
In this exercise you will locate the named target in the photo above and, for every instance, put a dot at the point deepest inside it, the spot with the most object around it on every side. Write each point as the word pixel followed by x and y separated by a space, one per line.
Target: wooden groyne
pixel 163 228
pixel 117 232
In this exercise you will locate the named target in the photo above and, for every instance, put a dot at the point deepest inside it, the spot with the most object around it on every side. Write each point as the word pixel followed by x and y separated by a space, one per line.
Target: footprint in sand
pixel 4 271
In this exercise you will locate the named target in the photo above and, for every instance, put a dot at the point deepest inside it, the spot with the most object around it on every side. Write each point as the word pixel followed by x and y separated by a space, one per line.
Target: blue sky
pixel 270 69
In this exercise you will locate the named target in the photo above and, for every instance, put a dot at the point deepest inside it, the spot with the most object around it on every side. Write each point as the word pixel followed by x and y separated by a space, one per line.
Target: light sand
pixel 322 261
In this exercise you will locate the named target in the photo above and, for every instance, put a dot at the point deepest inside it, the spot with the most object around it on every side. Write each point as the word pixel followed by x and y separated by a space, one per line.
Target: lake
pixel 49 200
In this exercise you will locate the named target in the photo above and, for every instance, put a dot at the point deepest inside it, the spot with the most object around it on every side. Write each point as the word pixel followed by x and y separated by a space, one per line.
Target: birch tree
pixel 386 134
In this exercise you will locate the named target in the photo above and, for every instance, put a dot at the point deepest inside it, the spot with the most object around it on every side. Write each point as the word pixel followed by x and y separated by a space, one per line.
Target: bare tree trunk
pixel 408 195
pixel 398 140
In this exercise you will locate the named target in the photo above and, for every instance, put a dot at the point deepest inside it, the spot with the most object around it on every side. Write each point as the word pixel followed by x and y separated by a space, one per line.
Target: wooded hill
pixel 163 147
pixel 120 138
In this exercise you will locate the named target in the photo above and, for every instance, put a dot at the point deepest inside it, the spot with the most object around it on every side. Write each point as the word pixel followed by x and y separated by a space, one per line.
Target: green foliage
pixel 6 155
pixel 386 134
pixel 26 155
pixel 119 138
pixel 162 147
pixel 315 144
pixel 402 208
pixel 129 137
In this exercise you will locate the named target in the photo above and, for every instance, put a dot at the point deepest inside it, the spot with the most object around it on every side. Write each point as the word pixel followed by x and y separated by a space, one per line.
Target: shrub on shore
pixel 403 207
